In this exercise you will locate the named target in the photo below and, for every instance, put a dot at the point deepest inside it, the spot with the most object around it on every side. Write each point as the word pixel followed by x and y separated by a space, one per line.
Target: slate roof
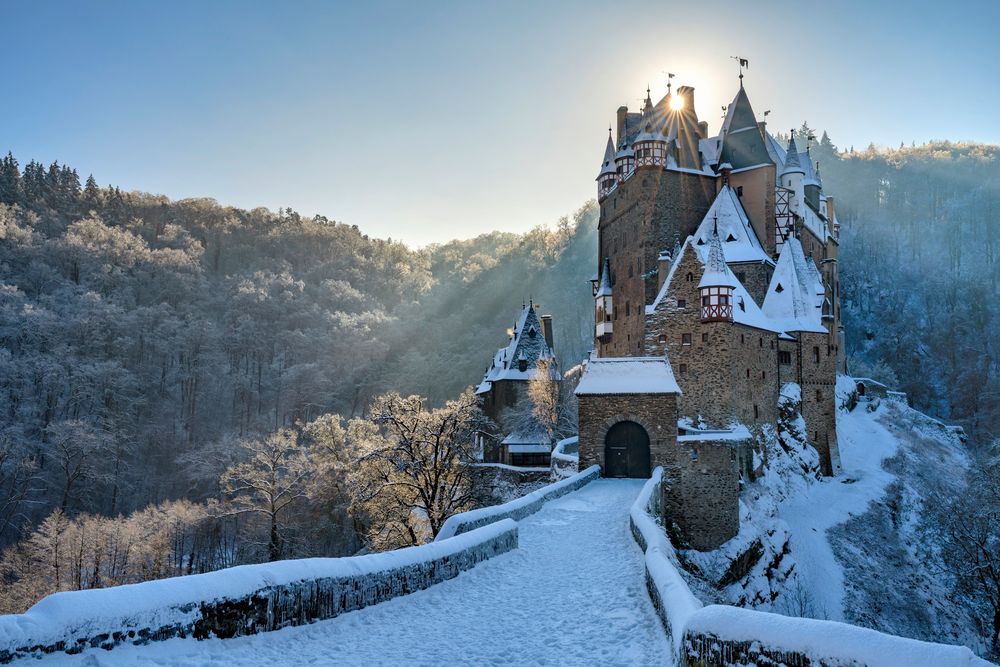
pixel 527 343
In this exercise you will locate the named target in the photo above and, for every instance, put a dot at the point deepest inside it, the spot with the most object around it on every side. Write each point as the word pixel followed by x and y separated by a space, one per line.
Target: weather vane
pixel 670 75
pixel 743 63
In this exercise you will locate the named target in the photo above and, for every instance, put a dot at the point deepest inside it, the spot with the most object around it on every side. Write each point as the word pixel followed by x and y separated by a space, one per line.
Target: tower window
pixel 685 339
pixel 689 277
pixel 683 369
pixel 816 354
pixel 784 357
pixel 682 303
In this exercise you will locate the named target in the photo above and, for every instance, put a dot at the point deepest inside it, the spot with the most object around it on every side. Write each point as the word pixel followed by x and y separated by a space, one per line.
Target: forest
pixel 161 360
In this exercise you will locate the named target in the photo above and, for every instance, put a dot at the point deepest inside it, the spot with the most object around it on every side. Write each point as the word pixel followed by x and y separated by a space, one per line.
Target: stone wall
pixel 516 509
pixel 243 600
pixel 755 277
pixel 818 377
pixel 657 413
pixel 640 219
pixel 701 492
pixel 758 200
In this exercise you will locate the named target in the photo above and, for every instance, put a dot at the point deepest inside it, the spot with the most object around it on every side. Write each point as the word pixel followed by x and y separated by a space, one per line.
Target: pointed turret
pixel 647 106
pixel 608 175
pixel 792 177
pixel 743 142
pixel 716 286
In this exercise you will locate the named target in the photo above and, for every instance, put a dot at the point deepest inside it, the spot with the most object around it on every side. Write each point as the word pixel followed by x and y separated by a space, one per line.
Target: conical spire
pixel 792 163
pixel 647 106
pixel 605 286
pixel 608 164
pixel 716 273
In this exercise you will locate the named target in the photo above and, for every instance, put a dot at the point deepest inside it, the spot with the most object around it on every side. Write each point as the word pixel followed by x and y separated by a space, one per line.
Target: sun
pixel 676 102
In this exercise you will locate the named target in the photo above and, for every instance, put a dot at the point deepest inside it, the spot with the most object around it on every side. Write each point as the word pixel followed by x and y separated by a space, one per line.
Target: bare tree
pixel 412 471
pixel 274 479
pixel 968 529
pixel 79 451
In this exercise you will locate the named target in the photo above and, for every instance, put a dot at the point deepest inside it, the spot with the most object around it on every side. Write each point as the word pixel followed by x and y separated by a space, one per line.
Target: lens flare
pixel 676 102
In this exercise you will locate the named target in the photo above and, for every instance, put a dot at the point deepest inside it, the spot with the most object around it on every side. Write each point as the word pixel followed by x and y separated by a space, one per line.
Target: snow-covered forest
pixel 149 348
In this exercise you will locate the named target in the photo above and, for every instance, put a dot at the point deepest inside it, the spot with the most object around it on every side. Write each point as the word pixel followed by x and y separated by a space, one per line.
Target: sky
pixel 425 122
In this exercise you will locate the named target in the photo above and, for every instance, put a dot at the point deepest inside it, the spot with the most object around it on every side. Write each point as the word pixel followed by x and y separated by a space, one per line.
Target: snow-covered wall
pixel 724 635
pixel 243 600
pixel 565 458
pixel 518 508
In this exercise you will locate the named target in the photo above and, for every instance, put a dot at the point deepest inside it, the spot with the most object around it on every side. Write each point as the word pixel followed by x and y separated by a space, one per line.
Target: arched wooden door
pixel 626 451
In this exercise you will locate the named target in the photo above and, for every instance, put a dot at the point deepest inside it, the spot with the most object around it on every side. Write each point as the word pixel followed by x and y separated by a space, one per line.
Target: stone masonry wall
pixel 638 221
pixel 657 413
pixel 818 382
pixel 701 493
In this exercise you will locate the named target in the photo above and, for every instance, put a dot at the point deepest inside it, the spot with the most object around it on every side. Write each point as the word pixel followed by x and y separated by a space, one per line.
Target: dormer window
pixel 779 289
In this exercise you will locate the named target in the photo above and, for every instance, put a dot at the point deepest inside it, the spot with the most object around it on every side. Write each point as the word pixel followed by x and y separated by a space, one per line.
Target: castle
pixel 503 393
pixel 716 287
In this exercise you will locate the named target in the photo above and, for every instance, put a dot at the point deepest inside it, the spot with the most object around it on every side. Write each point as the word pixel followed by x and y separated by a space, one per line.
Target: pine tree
pixel 91 194
pixel 10 180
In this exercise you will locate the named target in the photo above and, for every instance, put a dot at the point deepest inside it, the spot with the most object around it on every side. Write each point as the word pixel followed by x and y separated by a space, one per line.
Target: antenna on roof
pixel 715 224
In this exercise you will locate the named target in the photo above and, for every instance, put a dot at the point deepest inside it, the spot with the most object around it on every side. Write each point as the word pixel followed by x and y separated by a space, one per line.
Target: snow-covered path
pixel 572 594
pixel 864 444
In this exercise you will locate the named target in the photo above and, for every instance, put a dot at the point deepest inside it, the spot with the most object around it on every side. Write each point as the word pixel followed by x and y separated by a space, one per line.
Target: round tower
pixel 603 305
pixel 650 148
pixel 624 160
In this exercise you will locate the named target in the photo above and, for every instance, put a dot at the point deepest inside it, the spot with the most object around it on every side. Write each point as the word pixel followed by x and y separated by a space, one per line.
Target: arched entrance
pixel 861 389
pixel 626 451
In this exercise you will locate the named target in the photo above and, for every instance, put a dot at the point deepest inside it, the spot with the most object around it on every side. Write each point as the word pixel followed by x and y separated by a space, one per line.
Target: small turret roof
pixel 608 164
pixel 604 289
pixel 792 163
pixel 716 273
pixel 527 344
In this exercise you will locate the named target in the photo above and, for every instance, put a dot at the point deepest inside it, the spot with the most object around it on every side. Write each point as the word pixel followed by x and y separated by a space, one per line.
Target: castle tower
pixel 624 159
pixel 792 176
pixel 607 177
pixel 650 148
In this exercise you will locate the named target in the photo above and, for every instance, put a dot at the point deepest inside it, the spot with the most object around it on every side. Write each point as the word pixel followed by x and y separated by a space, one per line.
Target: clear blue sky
pixel 426 122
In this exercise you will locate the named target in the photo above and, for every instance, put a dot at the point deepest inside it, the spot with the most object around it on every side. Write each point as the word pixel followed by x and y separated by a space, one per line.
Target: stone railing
pixel 721 635
pixel 565 463
pixel 516 509
pixel 242 600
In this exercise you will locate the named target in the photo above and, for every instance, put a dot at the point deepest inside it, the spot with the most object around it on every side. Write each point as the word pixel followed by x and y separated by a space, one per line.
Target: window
pixel 685 339
pixel 627 309
pixel 662 339
pixel 784 357
pixel 756 411
pixel 689 277
pixel 684 369
pixel 682 303
pixel 742 340
pixel 704 338
pixel 819 396
pixel 748 373
pixel 741 276
pixel 816 354
pixel 739 190
pixel 763 375
pixel 761 342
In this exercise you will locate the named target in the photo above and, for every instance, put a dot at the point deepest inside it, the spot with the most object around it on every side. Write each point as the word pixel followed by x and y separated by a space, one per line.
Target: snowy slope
pixel 849 548
pixel 573 594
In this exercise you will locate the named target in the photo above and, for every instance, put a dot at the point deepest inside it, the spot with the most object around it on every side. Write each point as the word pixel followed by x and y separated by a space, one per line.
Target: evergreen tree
pixel 91 194
pixel 10 180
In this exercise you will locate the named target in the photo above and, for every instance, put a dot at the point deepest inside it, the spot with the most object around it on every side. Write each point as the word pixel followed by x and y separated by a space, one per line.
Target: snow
pixel 573 593
pixel 158 603
pixel 794 297
pixel 825 639
pixel 727 212
pixel 864 445
pixel 517 508
pixel 736 433
pixel 627 375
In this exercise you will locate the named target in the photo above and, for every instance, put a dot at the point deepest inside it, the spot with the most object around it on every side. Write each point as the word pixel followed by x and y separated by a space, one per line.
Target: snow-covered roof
pixel 604 289
pixel 627 375
pixel 745 309
pixel 796 293
pixel 531 438
pixel 735 432
pixel 793 165
pixel 608 164
pixel 528 344
pixel 716 272
pixel 739 240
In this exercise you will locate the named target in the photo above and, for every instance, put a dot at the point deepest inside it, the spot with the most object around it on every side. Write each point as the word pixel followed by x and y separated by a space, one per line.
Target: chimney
pixel 725 169
pixel 663 265
pixel 687 93
pixel 703 129
pixel 547 330
pixel 622 112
